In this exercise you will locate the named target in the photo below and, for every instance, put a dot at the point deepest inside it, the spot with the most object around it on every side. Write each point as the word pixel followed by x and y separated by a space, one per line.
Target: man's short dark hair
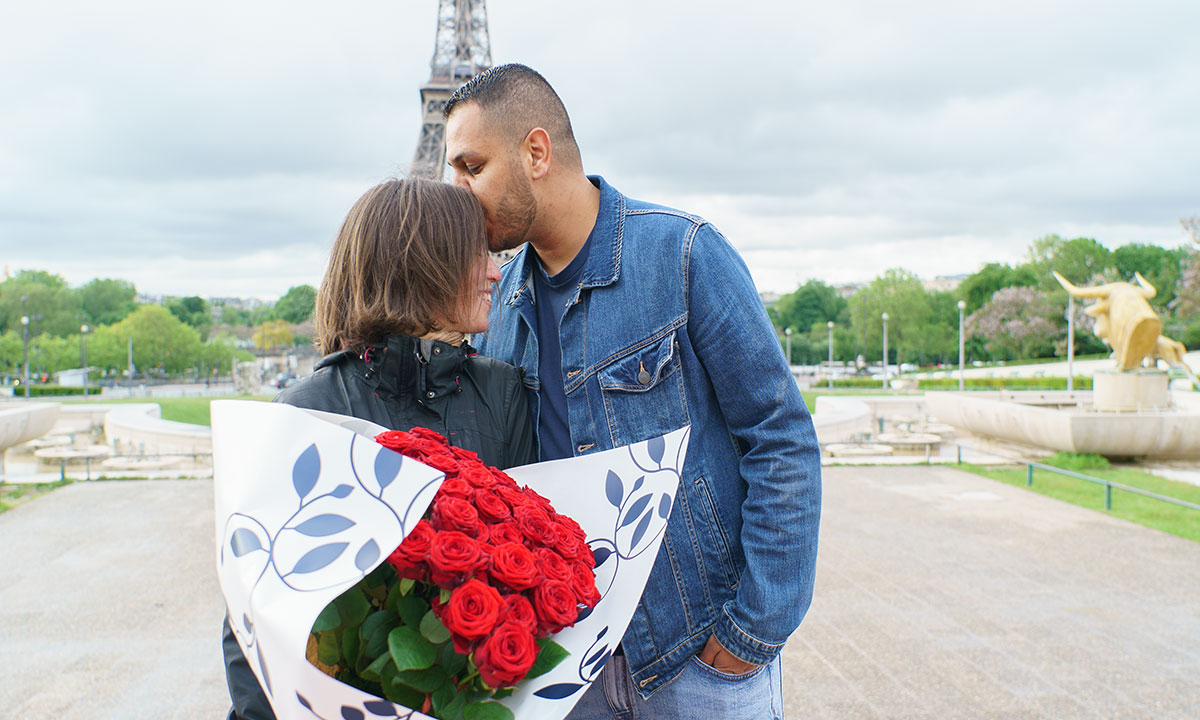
pixel 516 99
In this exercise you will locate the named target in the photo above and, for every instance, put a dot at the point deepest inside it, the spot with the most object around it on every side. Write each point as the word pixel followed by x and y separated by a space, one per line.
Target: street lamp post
pixel 885 355
pixel 830 371
pixel 25 341
pixel 83 331
pixel 1070 343
pixel 961 346
pixel 787 333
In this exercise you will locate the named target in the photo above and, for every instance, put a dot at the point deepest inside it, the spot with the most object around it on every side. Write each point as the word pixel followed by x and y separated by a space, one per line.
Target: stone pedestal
pixel 1130 391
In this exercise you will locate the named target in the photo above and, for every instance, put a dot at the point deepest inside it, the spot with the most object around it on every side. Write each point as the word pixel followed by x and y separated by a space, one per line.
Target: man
pixel 630 320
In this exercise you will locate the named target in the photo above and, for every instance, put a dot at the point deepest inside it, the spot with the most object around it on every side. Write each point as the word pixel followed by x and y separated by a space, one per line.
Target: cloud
pixel 825 140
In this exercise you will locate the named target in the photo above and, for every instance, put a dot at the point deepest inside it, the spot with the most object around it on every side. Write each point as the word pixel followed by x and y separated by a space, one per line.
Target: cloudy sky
pixel 212 148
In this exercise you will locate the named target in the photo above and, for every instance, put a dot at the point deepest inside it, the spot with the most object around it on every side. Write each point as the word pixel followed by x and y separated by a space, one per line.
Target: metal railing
pixel 1108 484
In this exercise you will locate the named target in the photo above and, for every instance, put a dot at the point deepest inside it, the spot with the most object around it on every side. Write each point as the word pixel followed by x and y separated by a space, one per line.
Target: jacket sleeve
pixel 522 445
pixel 249 700
pixel 781 463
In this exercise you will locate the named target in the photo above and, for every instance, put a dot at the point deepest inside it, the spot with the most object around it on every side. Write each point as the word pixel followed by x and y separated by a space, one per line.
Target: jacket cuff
pixel 741 644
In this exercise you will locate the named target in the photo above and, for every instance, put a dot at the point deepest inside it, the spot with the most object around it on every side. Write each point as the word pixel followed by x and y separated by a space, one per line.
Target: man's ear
pixel 537 148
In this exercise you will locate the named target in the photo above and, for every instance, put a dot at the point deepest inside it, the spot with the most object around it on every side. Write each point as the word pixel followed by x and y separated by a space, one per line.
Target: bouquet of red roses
pixel 464 608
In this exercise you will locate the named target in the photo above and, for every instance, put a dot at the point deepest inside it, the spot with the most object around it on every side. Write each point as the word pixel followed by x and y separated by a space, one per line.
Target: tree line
pixel 1010 311
pixel 184 336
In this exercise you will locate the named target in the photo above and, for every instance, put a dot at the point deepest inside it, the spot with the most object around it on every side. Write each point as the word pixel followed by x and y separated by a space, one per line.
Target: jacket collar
pixel 405 365
pixel 603 266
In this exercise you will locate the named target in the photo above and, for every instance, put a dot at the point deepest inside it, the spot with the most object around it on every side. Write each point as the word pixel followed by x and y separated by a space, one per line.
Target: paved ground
pixel 944 595
pixel 939 595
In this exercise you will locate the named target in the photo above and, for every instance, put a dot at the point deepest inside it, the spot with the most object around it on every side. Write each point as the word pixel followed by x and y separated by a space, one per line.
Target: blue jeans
pixel 698 691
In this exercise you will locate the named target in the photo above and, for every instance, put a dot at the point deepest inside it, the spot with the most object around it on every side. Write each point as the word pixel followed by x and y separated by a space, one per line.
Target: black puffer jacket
pixel 478 403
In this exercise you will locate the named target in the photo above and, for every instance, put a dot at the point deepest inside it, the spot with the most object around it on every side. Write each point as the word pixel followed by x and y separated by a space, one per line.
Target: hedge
pixel 986 383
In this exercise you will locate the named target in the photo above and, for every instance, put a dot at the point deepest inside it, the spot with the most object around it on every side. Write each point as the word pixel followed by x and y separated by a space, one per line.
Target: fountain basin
pixel 1069 422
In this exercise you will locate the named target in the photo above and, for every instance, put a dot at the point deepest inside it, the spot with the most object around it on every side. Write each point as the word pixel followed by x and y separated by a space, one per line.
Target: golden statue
pixel 1126 323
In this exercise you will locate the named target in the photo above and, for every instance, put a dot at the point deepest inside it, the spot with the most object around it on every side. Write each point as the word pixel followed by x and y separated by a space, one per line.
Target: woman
pixel 408 278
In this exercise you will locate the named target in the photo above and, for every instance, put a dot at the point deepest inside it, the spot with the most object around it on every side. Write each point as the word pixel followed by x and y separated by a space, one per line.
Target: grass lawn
pixel 810 396
pixel 12 495
pixel 192 410
pixel 1177 520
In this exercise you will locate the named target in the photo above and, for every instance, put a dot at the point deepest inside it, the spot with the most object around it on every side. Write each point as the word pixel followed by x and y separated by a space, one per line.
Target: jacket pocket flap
pixel 642 369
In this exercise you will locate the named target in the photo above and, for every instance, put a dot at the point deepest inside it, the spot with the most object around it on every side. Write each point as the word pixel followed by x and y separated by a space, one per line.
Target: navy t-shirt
pixel 552 295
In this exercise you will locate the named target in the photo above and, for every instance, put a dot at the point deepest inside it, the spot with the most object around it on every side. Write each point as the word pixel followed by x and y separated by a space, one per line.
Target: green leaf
pixel 454 708
pixel 442 697
pixel 410 650
pixel 427 680
pixel 548 658
pixel 444 596
pixel 411 609
pixel 433 630
pixel 329 619
pixel 352 606
pixel 328 651
pixel 374 632
pixel 503 693
pixel 350 646
pixel 374 671
pixel 398 692
pixel 450 660
pixel 406 585
pixel 489 710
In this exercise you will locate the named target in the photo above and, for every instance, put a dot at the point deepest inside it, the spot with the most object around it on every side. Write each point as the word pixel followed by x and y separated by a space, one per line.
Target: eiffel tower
pixel 461 51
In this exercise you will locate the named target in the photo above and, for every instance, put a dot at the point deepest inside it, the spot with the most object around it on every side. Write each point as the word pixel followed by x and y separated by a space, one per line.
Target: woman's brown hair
pixel 403 263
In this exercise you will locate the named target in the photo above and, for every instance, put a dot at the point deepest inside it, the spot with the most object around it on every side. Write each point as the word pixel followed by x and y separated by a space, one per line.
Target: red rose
pixel 540 501
pixel 552 564
pixel 514 565
pixel 397 440
pixel 501 533
pixel 583 583
pixel 506 656
pixel 520 611
pixel 410 558
pixel 465 455
pixel 502 477
pixel 427 434
pixel 477 475
pixel 472 611
pixel 456 487
pixel 491 508
pixel 453 558
pixel 555 606
pixel 511 495
pixel 535 525
pixel 444 462
pixel 453 513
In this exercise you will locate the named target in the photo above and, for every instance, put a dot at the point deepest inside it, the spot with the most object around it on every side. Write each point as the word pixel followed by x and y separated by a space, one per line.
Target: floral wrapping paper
pixel 307 503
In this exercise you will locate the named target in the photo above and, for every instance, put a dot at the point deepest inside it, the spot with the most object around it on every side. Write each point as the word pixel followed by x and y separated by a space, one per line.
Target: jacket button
pixel 643 376
pixel 429 394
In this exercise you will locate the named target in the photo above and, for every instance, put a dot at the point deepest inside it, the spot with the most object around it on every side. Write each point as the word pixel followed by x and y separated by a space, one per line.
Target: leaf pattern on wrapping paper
pixel 306 471
pixel 317 558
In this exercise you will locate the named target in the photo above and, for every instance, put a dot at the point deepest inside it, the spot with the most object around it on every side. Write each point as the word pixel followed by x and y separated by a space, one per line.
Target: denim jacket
pixel 666 329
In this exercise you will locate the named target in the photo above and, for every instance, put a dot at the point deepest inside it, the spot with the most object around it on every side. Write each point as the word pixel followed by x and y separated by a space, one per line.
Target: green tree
pixel 193 311
pixel 52 306
pixel 107 301
pixel 812 303
pixel 900 294
pixel 979 286
pixel 1160 266
pixel 273 334
pixel 160 341
pixel 296 305
pixel 1078 260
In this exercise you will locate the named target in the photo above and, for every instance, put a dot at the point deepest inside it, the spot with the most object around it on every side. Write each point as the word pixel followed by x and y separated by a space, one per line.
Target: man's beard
pixel 514 216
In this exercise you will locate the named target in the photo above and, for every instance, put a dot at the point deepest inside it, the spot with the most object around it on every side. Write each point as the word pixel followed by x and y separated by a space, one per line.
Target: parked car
pixel 282 380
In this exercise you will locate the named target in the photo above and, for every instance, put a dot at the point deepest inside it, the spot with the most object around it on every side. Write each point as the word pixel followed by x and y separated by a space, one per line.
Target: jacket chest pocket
pixel 643 392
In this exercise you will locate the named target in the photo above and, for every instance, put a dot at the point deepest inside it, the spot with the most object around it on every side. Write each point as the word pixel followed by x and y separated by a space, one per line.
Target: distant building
pixel 769 298
pixel 943 283
pixel 847 289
